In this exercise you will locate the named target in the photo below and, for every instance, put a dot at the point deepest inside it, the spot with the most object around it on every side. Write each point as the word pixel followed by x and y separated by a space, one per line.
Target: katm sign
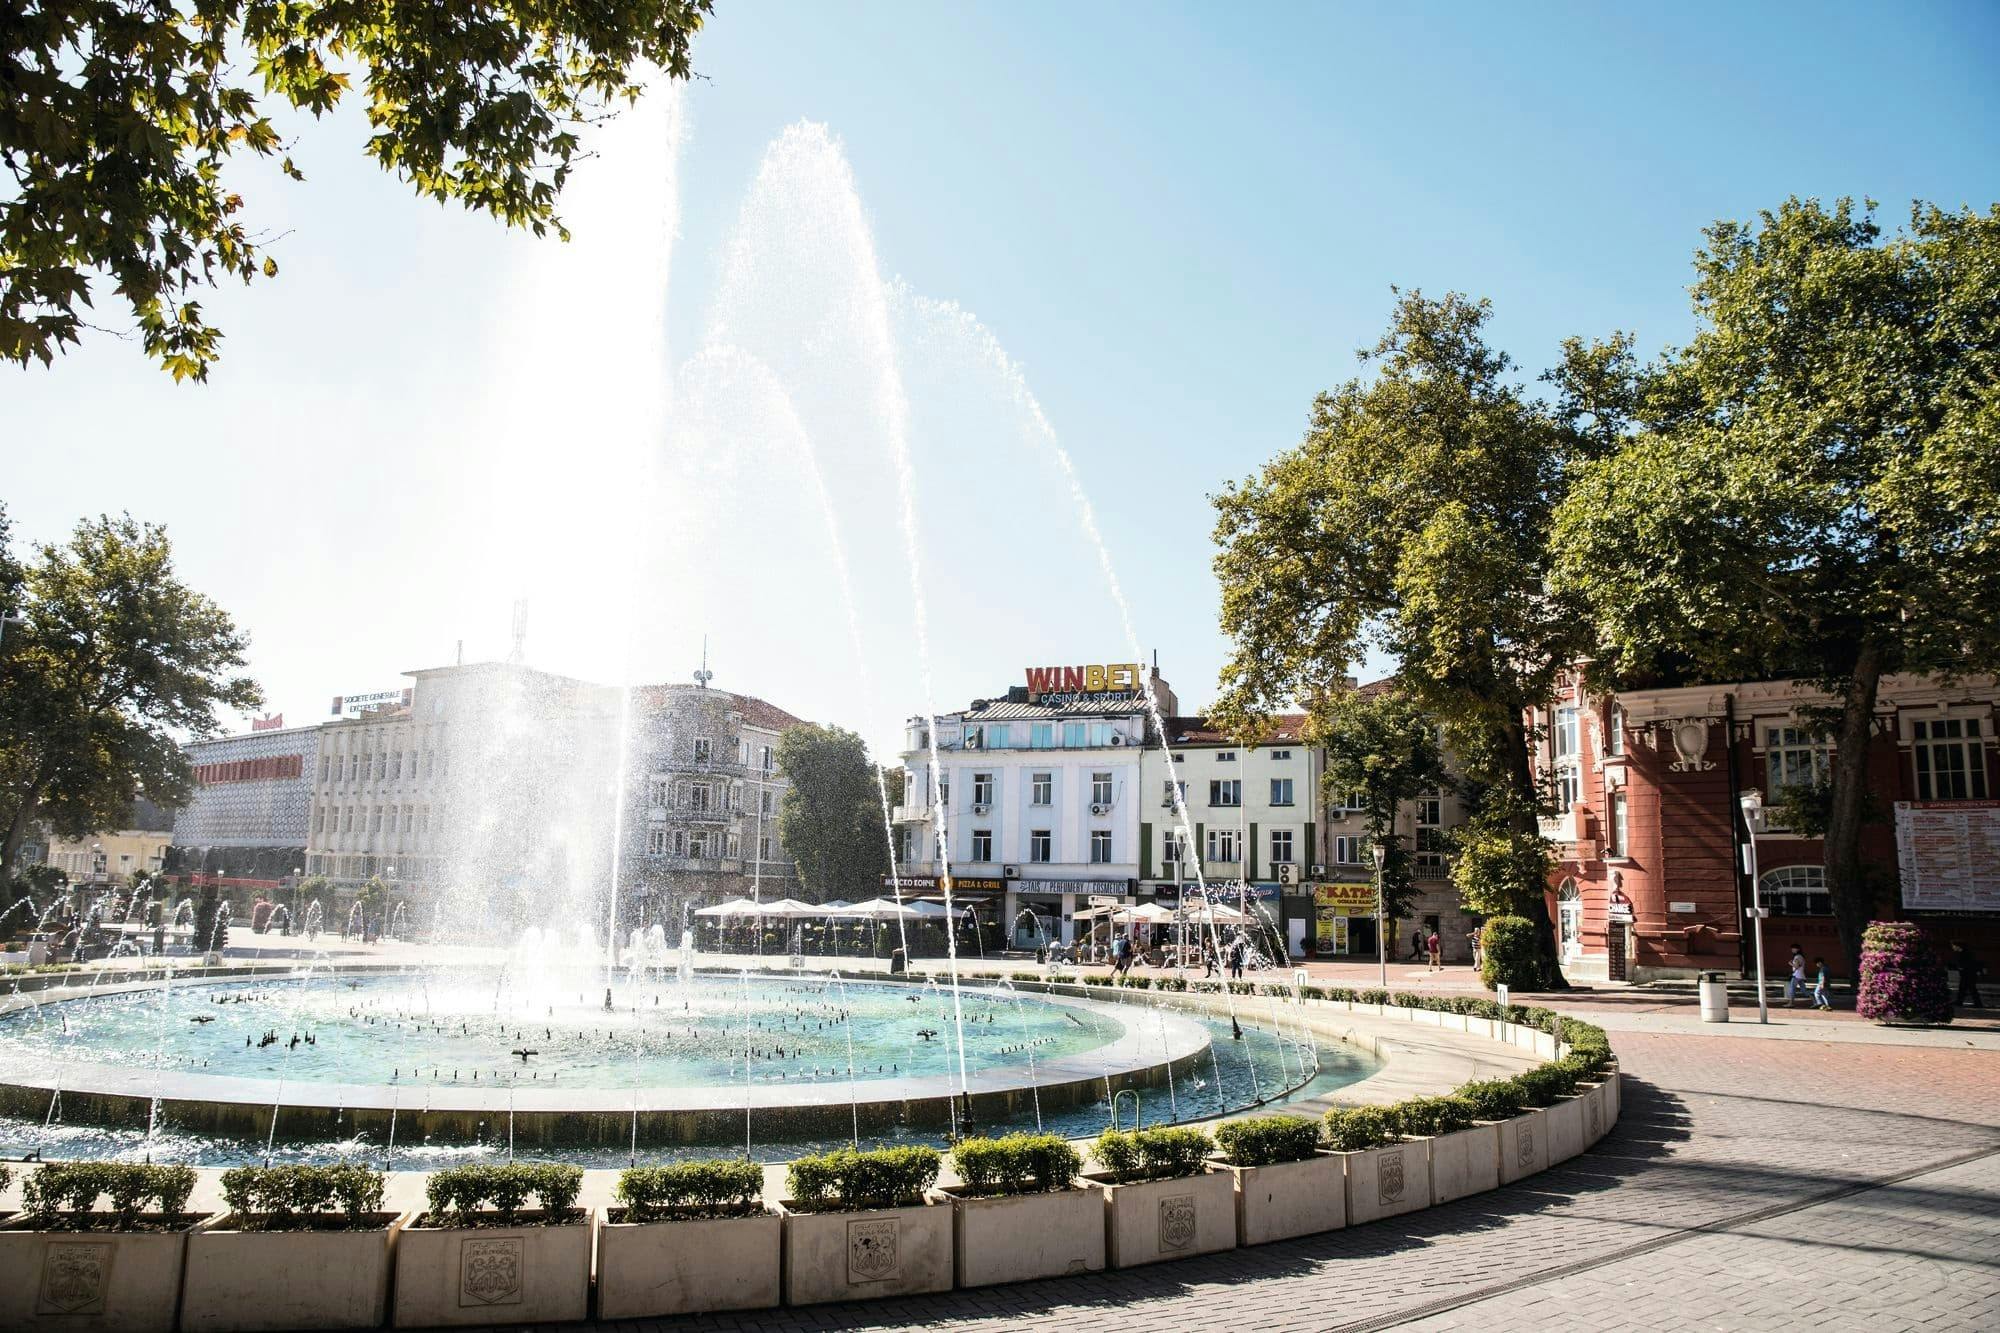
pixel 354 705
pixel 1055 685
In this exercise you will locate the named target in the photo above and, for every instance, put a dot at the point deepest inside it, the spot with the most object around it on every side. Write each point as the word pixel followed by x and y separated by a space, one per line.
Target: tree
pixel 1414 516
pixel 830 820
pixel 1381 747
pixel 122 120
pixel 1812 486
pixel 118 661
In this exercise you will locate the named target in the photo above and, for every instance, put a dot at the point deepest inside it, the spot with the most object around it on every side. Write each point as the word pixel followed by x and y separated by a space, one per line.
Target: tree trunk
pixel 1521 778
pixel 1845 882
pixel 17 831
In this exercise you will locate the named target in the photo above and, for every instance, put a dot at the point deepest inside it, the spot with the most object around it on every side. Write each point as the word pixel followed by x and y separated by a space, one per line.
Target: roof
pixel 1200 731
pixel 1001 710
pixel 756 712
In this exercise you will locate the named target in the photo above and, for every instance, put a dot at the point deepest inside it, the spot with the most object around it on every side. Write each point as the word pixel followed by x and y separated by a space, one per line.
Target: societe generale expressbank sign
pixel 1055 685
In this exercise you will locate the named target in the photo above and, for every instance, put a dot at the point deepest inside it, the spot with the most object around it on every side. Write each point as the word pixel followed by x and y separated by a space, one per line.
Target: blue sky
pixel 1179 222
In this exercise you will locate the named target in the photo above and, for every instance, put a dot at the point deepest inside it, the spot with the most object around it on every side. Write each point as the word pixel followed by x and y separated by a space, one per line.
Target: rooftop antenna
pixel 703 676
pixel 520 652
pixel 461 652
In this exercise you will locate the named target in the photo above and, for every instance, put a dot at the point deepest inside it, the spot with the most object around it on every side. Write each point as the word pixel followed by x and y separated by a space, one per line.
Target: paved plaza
pixel 1751 1183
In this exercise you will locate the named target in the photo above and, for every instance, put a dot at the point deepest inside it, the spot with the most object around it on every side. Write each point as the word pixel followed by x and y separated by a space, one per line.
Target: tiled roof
pixel 1000 710
pixel 759 713
pixel 1199 731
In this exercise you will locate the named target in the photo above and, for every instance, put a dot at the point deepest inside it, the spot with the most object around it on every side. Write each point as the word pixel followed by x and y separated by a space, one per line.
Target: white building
pixel 1041 798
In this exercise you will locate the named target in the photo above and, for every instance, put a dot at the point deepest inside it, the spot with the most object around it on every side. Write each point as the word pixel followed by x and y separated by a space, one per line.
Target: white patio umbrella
pixel 734 907
pixel 877 909
pixel 791 909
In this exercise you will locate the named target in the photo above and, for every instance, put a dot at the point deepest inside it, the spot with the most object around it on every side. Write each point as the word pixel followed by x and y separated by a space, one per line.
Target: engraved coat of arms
pixel 1524 1145
pixel 489 1272
pixel 75 1277
pixel 873 1254
pixel 1389 1178
pixel 1177 1222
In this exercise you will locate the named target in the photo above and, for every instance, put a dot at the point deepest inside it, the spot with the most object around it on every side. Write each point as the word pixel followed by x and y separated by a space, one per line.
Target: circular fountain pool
pixel 480 1056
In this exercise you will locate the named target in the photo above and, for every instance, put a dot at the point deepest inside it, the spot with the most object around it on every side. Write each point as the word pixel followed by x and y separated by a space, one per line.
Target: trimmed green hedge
pixel 1152 1154
pixel 1268 1140
pixel 1017 1164
pixel 292 1198
pixel 721 1187
pixel 1427 1117
pixel 1507 953
pixel 471 1195
pixel 1355 1128
pixel 64 1194
pixel 846 1180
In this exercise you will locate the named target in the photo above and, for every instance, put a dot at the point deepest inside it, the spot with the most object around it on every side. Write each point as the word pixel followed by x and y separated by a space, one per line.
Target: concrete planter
pixel 687 1265
pixel 859 1255
pixel 1595 1119
pixel 1524 1145
pixel 1428 1017
pixel 1566 1122
pixel 100 1281
pixel 1152 1220
pixel 1465 1162
pixel 1290 1199
pixel 1476 1026
pixel 1021 1237
pixel 1453 1022
pixel 1614 1085
pixel 492 1275
pixel 1386 1181
pixel 1544 1045
pixel 249 1280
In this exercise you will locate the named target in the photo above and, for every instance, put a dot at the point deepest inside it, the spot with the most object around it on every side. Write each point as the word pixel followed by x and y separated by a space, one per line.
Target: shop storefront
pixel 1343 920
pixel 1039 910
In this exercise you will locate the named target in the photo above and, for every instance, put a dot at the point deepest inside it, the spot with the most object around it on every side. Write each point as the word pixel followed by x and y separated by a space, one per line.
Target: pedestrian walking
pixel 1472 946
pixel 1237 949
pixel 1819 985
pixel 1437 952
pixel 1417 945
pixel 1797 981
pixel 1969 969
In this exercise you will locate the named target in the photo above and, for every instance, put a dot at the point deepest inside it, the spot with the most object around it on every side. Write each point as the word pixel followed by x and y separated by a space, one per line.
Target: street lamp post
pixel 1753 822
pixel 1381 921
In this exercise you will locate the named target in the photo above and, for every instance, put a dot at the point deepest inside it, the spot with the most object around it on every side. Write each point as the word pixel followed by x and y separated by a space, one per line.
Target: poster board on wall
pixel 1948 855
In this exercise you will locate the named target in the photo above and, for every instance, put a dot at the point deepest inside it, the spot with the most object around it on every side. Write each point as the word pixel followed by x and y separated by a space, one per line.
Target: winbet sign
pixel 1057 685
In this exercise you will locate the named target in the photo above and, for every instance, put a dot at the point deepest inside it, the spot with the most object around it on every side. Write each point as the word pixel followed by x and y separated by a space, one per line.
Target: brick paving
pixel 1750 1184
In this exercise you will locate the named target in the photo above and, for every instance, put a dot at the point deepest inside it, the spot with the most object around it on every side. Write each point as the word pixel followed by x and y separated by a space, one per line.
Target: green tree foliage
pixel 1812 486
pixel 1414 517
pixel 830 821
pixel 1381 746
pixel 117 662
pixel 122 117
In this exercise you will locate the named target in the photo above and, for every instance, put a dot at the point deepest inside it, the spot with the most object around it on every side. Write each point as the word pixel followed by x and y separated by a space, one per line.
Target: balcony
pixel 909 814
pixel 1559 828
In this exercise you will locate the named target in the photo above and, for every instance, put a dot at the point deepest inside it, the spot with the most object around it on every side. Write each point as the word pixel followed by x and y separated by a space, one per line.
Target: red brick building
pixel 1652 879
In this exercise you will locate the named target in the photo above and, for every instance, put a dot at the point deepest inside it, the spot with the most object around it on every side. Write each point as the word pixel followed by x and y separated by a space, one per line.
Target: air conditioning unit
pixel 980 808
pixel 1099 809
pixel 1319 871
pixel 1010 872
pixel 1117 738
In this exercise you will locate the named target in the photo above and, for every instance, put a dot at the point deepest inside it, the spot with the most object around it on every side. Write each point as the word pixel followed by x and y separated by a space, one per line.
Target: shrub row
pixel 720 1187
pixel 1016 1164
pixel 847 1179
pixel 285 1198
pixel 1268 1140
pixel 68 1191
pixel 460 1194
pixel 1152 1154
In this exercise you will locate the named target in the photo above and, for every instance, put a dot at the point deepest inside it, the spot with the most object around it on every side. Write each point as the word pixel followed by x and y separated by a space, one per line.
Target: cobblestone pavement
pixel 1749 1184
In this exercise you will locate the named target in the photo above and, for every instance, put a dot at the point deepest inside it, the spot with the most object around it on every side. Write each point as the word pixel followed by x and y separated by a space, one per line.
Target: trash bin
pixel 1714 998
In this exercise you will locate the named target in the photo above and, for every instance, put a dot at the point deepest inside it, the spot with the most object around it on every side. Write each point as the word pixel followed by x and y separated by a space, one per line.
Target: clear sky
pixel 1177 222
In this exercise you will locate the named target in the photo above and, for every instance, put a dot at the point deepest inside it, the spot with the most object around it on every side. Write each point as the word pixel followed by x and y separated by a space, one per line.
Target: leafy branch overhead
pixel 121 117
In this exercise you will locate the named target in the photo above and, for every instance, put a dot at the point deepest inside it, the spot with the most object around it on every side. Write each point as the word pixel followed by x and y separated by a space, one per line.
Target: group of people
pixel 1427 945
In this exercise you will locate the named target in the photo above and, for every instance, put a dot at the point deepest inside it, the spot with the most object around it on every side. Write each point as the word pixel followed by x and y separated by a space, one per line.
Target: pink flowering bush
pixel 1902 978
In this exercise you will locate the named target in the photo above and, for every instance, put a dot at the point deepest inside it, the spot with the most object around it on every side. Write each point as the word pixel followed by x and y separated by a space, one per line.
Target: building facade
pixel 251 807
pixel 113 856
pixel 1249 811
pixel 1653 879
pixel 703 790
pixel 1038 798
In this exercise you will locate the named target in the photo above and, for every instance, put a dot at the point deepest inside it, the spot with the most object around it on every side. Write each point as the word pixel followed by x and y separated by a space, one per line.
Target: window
pixel 1951 760
pixel 1100 789
pixel 1100 847
pixel 1041 735
pixel 698 796
pixel 1173 850
pixel 1281 791
pixel 1795 757
pixel 1795 891
pixel 732 847
pixel 396 765
pixel 764 848
pixel 1281 847
pixel 1171 790
pixel 1350 800
pixel 982 789
pixel 1567 789
pixel 1039 845
pixel 409 818
pixel 735 796
pixel 656 842
pixel 1563 734
pixel 698 845
pixel 375 820
pixel 1281 754
pixel 1614 730
pixel 430 763
pixel 767 802
pixel 1614 833
pixel 1041 788
pixel 423 821
pixel 1100 734
pixel 659 794
pixel 1225 756
pixel 770 761
pixel 680 843
pixel 743 752
pixel 1430 809
pixel 702 749
pixel 982 844
pixel 999 737
pixel 1073 734
pixel 319 820
pixel 1225 793
pixel 1222 844
pixel 322 768
pixel 944 792
pixel 1350 851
